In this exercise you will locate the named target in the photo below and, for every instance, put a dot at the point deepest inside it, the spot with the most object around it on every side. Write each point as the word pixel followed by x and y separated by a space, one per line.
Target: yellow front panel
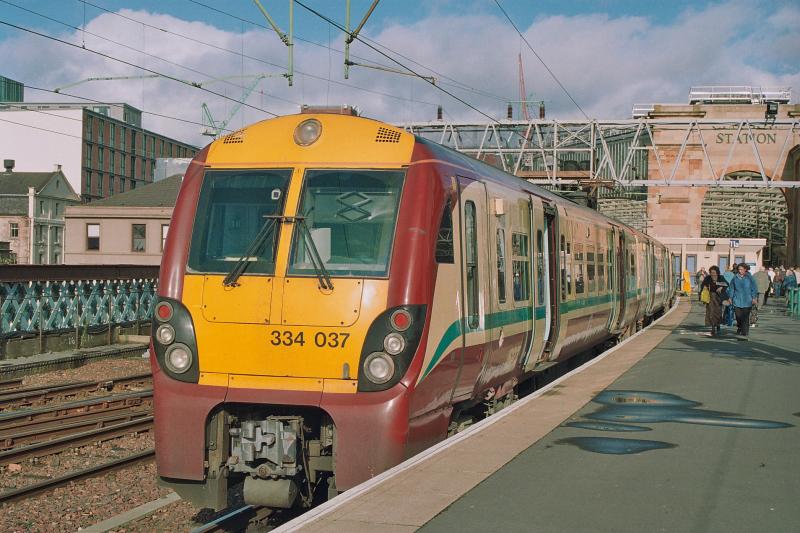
pixel 249 302
pixel 339 307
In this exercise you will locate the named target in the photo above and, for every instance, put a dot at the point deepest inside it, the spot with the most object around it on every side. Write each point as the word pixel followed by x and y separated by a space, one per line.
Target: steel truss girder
pixel 613 152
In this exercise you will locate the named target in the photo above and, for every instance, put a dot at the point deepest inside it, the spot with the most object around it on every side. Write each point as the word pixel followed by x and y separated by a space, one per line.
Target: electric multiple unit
pixel 337 295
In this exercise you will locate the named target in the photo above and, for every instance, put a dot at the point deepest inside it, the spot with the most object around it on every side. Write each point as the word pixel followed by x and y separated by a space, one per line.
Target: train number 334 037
pixel 320 340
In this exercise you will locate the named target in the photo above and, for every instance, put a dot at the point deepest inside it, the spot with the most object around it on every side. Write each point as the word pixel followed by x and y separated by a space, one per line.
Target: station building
pixel 101 147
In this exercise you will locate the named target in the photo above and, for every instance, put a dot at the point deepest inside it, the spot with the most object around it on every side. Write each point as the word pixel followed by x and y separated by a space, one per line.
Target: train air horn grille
pixel 237 137
pixel 385 135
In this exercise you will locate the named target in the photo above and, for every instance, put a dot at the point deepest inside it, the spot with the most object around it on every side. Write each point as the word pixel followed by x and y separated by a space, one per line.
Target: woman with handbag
pixel 714 293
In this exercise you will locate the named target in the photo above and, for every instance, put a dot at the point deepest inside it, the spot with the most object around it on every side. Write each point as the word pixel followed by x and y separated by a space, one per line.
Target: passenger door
pixel 474 275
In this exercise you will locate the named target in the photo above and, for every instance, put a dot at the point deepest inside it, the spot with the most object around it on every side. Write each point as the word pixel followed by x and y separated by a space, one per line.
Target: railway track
pixel 237 520
pixel 43 394
pixel 10 384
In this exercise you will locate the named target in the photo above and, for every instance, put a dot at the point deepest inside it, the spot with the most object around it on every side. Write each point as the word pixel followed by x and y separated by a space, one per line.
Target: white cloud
pixel 607 63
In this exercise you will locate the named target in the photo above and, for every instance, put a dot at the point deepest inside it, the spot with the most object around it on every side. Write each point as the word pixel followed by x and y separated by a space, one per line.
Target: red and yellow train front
pixel 281 342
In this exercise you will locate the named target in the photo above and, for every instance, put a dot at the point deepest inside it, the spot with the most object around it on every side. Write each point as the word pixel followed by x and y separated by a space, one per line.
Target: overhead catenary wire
pixel 40 128
pixel 143 52
pixel 108 56
pixel 253 58
pixel 542 61
pixel 439 75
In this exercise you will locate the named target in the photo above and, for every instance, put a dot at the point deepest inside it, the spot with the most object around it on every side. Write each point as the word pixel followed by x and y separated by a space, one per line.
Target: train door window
pixel 444 239
pixel 471 230
pixel 632 257
pixel 578 264
pixel 539 268
pixel 501 265
pixel 521 267
pixel 564 287
pixel 601 270
pixel 590 268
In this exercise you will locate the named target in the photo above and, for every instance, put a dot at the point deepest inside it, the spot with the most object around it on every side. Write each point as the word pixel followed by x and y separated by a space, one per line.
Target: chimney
pixel 9 164
pixel 58 167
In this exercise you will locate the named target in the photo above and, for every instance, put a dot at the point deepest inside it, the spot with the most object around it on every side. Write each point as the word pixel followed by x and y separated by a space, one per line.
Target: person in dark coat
pixel 718 287
pixel 743 295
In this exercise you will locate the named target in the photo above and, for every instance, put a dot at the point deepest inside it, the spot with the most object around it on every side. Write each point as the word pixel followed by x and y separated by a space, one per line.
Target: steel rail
pixel 43 486
pixel 59 413
pixel 10 384
pixel 46 393
pixel 236 520
pixel 37 433
pixel 50 447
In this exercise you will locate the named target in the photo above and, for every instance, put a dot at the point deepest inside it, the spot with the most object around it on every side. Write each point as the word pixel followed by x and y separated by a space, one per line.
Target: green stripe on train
pixel 505 318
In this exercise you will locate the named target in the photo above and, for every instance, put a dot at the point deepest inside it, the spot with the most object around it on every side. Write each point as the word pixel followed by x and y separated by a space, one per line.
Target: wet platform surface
pixel 676 431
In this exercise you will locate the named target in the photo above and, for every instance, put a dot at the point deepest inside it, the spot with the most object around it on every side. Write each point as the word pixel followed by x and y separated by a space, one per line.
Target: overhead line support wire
pixel 390 58
pixel 351 36
pixel 107 56
pixel 288 39
pixel 542 61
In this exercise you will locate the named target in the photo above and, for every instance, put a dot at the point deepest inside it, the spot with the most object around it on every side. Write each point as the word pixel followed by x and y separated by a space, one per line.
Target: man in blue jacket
pixel 743 295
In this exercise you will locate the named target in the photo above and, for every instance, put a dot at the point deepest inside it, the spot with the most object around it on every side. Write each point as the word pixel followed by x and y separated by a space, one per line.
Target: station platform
pixel 672 430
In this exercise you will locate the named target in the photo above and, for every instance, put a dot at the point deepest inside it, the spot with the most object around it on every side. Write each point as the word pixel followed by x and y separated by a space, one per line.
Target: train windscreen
pixel 232 214
pixel 350 216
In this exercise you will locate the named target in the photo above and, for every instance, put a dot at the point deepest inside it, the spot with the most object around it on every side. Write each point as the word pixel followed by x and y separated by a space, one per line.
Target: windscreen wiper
pixel 258 241
pixel 322 273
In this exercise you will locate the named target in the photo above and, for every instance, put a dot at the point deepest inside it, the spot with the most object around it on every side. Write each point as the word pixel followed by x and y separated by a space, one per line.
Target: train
pixel 337 294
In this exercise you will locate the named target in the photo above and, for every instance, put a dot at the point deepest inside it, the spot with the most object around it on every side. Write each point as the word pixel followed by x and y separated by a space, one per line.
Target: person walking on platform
pixel 777 283
pixel 790 280
pixel 727 313
pixel 718 292
pixel 762 285
pixel 742 294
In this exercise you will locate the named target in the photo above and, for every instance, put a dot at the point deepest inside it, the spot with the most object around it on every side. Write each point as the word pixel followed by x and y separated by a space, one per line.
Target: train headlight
pixel 394 343
pixel 307 132
pixel 165 334
pixel 379 367
pixel 178 358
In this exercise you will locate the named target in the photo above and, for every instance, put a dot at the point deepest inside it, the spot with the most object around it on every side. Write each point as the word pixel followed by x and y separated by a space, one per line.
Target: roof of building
pixel 19 182
pixel 162 193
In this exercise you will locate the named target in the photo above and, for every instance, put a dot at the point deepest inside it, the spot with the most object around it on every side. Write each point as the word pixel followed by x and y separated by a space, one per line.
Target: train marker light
pixel 394 343
pixel 401 320
pixel 379 368
pixel 165 334
pixel 307 132
pixel 178 358
pixel 164 311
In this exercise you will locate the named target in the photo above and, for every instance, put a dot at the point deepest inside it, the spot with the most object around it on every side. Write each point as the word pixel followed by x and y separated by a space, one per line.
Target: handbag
pixel 705 295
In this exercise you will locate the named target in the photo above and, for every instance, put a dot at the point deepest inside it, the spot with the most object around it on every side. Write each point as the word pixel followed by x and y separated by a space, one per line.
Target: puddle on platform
pixel 606 426
pixel 614 446
pixel 655 407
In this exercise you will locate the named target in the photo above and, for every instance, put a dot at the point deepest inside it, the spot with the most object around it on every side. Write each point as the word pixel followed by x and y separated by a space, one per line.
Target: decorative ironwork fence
pixel 52 306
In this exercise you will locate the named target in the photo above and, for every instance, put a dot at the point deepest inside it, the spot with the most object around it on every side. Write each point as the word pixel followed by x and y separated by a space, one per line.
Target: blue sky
pixel 609 54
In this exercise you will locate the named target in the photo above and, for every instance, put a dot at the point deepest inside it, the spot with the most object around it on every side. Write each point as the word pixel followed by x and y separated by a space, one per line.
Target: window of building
pixel 100 132
pixel 133 142
pixel 121 184
pixel 139 237
pixel 133 166
pixel 112 134
pixel 722 262
pixel 122 169
pixel 88 182
pixel 169 150
pixel 691 266
pixel 444 239
pixel 58 209
pixel 736 259
pixel 100 184
pixel 520 266
pixel 55 235
pixel 501 265
pixel 161 148
pixel 100 159
pixel 89 155
pixel 41 207
pixel 122 138
pixel 89 121
pixel 111 185
pixel 92 236
pixel 111 158
pixel 14 230
pixel 164 231
pixel 133 184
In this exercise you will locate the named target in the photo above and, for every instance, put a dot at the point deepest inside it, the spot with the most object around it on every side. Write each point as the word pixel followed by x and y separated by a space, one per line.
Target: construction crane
pixel 524 100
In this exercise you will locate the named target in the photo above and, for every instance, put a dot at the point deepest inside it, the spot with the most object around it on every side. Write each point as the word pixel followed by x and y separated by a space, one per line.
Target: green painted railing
pixel 793 303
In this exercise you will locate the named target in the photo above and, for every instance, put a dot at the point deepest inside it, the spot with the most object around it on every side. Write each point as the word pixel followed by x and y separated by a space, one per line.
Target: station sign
pixel 734 243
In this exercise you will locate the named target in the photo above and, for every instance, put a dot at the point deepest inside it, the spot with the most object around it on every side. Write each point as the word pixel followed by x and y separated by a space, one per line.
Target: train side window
pixel 521 267
pixel 580 280
pixel 501 265
pixel 590 268
pixel 444 239
pixel 471 230
pixel 539 268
